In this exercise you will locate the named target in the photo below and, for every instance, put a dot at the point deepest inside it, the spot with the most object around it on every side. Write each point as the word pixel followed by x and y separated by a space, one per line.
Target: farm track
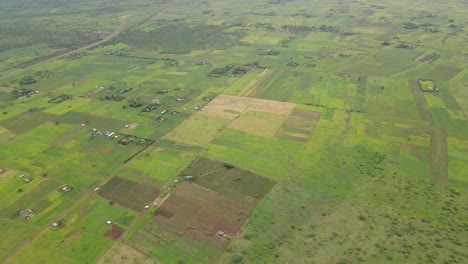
pixel 116 32
pixel 253 84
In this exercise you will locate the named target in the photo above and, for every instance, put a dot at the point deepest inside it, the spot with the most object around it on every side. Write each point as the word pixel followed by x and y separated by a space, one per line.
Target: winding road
pixel 92 45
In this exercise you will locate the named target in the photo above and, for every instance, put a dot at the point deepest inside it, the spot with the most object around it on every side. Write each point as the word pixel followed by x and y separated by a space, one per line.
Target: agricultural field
pixel 130 194
pixel 270 131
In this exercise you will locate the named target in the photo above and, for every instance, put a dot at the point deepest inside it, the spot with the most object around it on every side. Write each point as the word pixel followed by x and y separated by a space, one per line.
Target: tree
pixel 27 80
pixel 237 258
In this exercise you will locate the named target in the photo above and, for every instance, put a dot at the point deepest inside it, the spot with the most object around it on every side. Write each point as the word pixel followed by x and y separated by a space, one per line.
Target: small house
pixel 66 189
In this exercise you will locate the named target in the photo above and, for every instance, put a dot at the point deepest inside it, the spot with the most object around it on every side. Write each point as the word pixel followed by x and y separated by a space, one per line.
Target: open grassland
pixel 315 131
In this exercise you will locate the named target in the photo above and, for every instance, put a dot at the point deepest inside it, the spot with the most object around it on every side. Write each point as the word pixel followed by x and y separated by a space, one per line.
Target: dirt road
pixel 92 45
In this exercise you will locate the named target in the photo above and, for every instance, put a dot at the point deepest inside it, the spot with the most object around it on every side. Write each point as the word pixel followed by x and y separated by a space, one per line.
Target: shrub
pixel 228 166
pixel 237 258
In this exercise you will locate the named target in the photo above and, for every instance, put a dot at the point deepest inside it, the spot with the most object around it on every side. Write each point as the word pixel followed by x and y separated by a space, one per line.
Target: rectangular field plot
pixel 170 245
pixel 299 125
pixel 259 123
pixel 128 193
pixel 225 178
pixel 159 164
pixel 198 130
pixel 42 196
pixel 443 73
pixel 121 251
pixel 268 156
pixel 230 107
pixel 200 212
pixel 17 233
pixel 30 197
pixel 427 85
pixel 27 121
pixel 77 118
pixel 6 135
pixel 439 156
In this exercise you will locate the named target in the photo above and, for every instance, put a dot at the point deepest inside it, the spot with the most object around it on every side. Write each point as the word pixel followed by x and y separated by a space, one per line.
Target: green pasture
pixel 17 234
pixel 27 121
pixel 166 143
pixel 169 245
pixel 29 145
pixel 81 238
pixel 162 165
pixel 268 156
pixel 14 187
pixel 426 85
pixel 29 199
pixel 67 106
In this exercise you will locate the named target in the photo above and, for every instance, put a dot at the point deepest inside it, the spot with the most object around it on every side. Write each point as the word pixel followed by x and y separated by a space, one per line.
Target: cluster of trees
pixel 27 80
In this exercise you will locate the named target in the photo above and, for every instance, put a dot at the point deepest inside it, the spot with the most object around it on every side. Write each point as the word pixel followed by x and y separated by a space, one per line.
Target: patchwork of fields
pixel 234 132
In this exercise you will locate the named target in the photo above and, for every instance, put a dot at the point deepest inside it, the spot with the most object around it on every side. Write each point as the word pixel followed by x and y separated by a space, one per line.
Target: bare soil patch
pixel 165 213
pixel 115 232
pixel 200 212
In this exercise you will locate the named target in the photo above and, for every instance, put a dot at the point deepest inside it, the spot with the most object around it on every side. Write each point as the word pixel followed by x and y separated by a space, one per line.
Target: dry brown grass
pixel 226 106
pixel 259 123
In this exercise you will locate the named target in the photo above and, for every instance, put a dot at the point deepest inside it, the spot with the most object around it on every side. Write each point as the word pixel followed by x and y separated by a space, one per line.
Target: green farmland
pixel 244 132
